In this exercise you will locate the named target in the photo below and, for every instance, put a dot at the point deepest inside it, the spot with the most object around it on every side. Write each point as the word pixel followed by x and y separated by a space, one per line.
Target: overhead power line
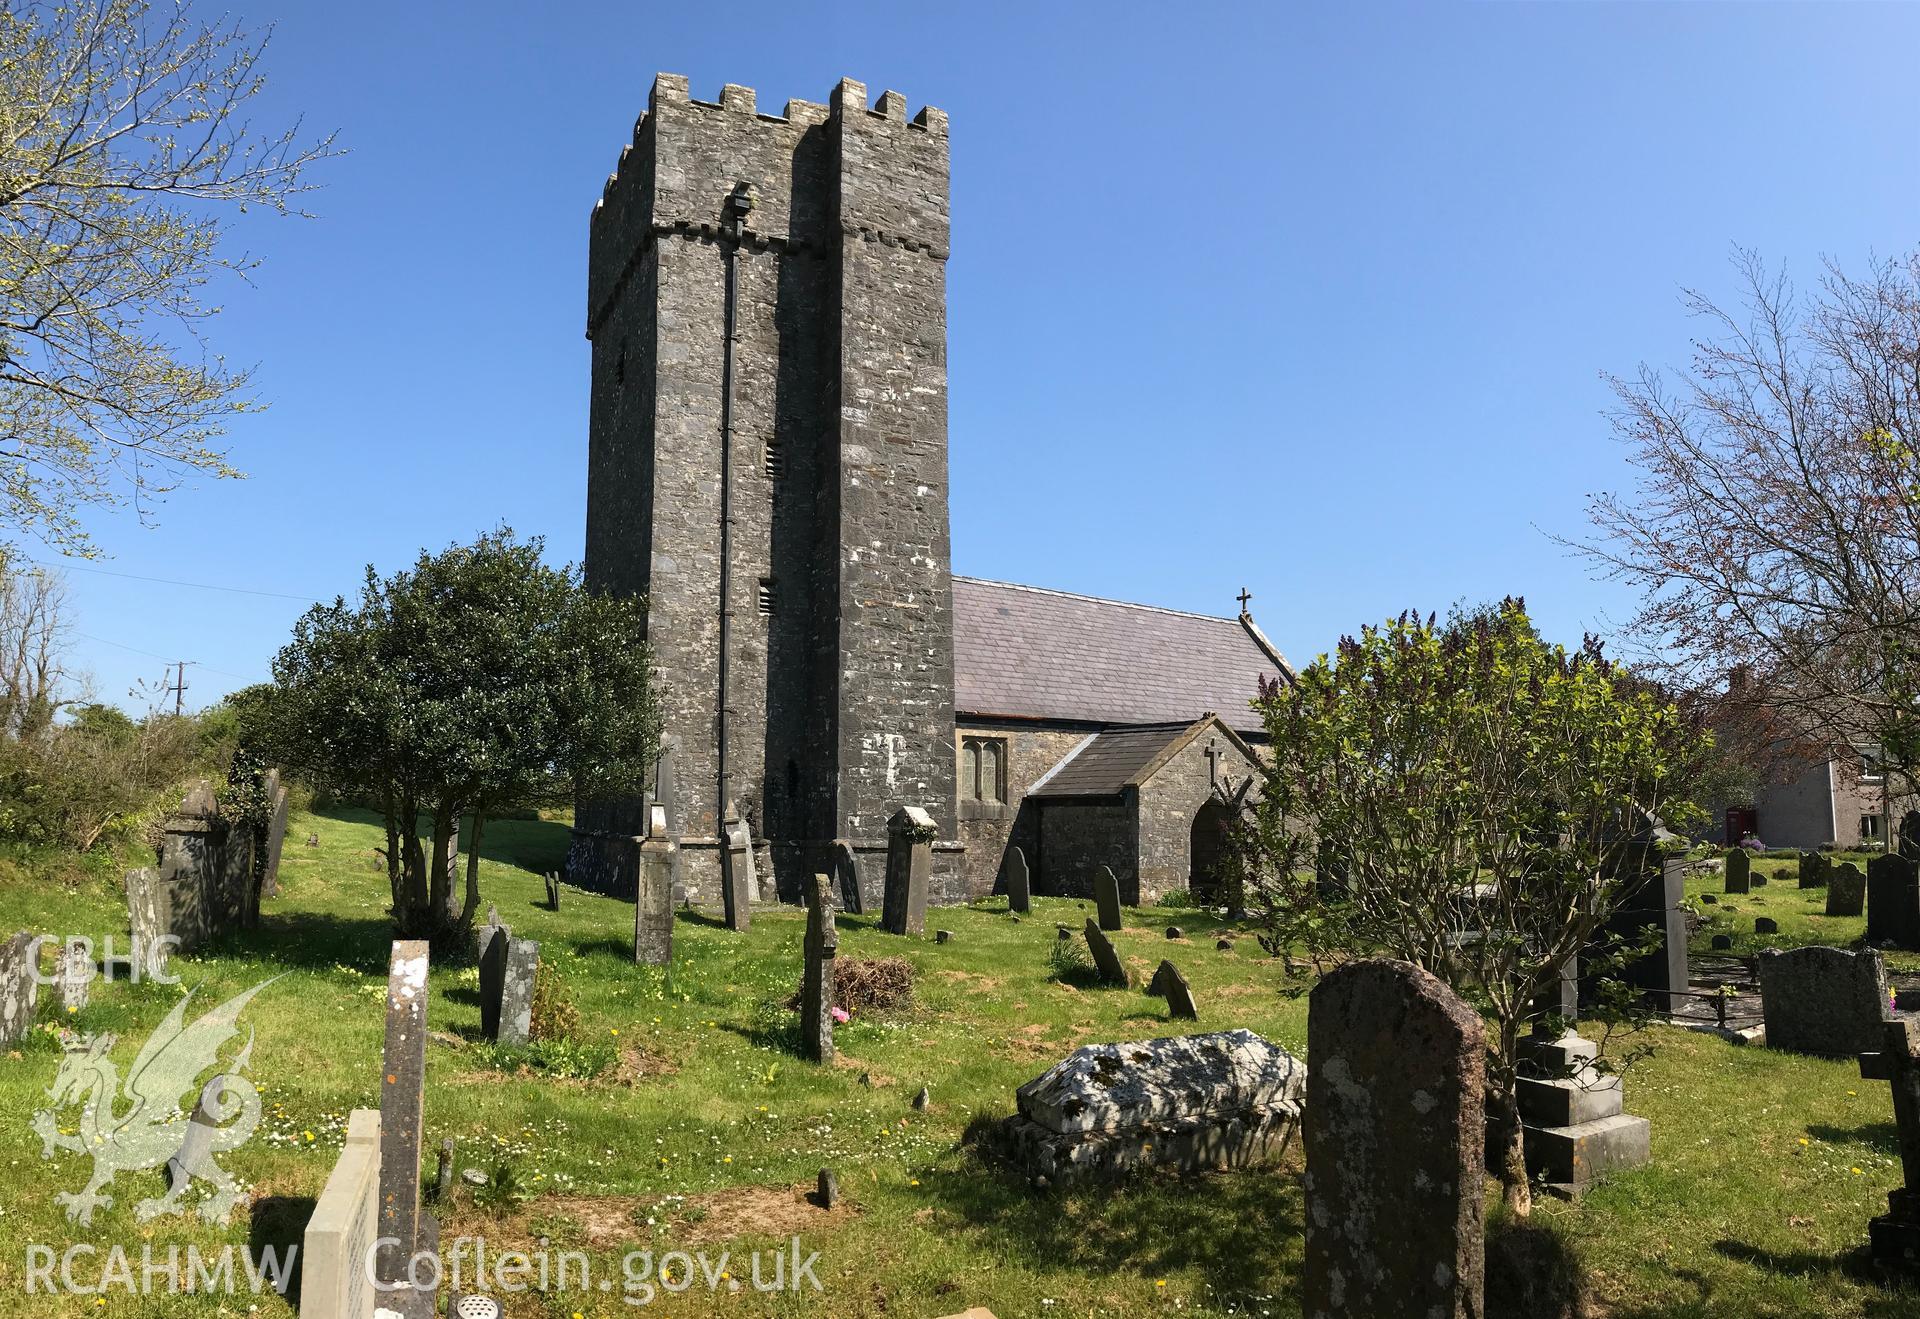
pixel 169 581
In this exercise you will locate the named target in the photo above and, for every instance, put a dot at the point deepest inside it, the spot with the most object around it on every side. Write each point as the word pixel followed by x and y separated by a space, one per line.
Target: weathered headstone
pixel 403 1087
pixel 276 839
pixel 343 1227
pixel 1722 943
pixel 1846 890
pixel 1106 897
pixel 1193 1102
pixel 653 897
pixel 76 974
pixel 493 971
pixel 910 836
pixel 816 988
pixel 514 1015
pixel 1893 902
pixel 19 986
pixel 1169 984
pixel 846 874
pixel 1106 960
pixel 737 881
pixel 1823 1000
pixel 443 1171
pixel 1739 871
pixel 1019 884
pixel 1895 1235
pixel 1813 870
pixel 827 1189
pixel 1395 1140
pixel 553 891
pixel 1765 925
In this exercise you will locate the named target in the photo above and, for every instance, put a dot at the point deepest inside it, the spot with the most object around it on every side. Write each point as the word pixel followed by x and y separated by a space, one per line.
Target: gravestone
pixel 1894 1237
pixel 1765 925
pixel 403 1088
pixel 846 874
pixel 19 986
pixel 909 866
pixel 1395 1136
pixel 276 840
pixel 1019 883
pixel 1846 890
pixel 737 880
pixel 493 971
pixel 653 895
pixel 1822 1000
pixel 483 932
pixel 1106 897
pixel 343 1227
pixel 1193 1102
pixel 1722 943
pixel 816 988
pixel 1813 870
pixel 1651 899
pixel 1106 961
pixel 553 892
pixel 1893 902
pixel 513 1015
pixel 76 975
pixel 1739 871
pixel 1169 984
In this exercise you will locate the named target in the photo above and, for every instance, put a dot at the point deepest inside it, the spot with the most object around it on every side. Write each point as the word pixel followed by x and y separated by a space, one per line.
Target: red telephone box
pixel 1742 822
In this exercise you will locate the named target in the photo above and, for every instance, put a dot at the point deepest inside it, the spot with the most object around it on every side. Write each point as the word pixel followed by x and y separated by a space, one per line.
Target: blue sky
pixel 1310 299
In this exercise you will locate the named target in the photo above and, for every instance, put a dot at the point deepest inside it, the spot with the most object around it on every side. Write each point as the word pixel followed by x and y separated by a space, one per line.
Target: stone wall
pixel 988 832
pixel 839 659
pixel 1168 804
pixel 1077 838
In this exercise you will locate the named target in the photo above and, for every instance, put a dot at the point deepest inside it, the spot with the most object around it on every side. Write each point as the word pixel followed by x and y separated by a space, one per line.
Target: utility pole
pixel 178 686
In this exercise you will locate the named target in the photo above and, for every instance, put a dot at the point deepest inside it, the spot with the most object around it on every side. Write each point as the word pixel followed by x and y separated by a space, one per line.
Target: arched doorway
pixel 1207 853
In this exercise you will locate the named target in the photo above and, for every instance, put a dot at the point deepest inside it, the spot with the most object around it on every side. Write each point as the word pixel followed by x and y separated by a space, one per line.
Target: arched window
pixel 983 769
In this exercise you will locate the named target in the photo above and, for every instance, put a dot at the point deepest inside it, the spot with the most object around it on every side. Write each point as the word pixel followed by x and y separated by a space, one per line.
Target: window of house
pixel 1869 826
pixel 1869 765
pixel 983 769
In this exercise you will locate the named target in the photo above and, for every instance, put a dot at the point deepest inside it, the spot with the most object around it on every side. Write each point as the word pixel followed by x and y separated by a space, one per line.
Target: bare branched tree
pixel 34 633
pixel 1774 533
pixel 123 141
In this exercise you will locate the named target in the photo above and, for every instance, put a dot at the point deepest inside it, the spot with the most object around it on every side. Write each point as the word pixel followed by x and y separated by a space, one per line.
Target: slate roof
pixel 1117 758
pixel 1029 653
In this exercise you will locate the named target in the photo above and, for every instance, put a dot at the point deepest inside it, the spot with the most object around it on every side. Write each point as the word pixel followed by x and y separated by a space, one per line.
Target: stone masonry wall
pixel 987 832
pixel 1078 837
pixel 839 684
pixel 1169 801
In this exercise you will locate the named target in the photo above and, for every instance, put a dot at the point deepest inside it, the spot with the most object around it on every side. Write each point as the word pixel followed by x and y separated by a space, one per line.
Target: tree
pixel 1774 532
pixel 478 679
pixel 34 632
pixel 1466 797
pixel 122 136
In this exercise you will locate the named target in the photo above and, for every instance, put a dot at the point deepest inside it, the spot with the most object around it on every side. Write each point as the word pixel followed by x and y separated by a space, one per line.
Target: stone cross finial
pixel 1244 596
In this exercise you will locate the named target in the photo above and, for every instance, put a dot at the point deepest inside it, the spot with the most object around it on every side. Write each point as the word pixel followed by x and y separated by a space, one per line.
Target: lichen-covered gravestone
pixel 513 1018
pixel 1395 1136
pixel 1225 1100
pixel 653 896
pixel 737 881
pixel 19 986
pixel 1893 902
pixel 910 836
pixel 1106 897
pixel 816 986
pixel 1846 890
pixel 1169 984
pixel 1106 959
pixel 1019 883
pixel 1739 871
pixel 1823 1000
pixel 76 974
pixel 403 1090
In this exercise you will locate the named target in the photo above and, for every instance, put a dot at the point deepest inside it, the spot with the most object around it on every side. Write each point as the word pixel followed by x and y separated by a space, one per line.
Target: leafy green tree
pixel 480 678
pixel 123 137
pixel 1470 799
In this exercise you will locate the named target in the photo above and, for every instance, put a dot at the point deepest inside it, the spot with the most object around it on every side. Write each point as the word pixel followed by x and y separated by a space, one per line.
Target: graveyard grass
pixel 1766 1167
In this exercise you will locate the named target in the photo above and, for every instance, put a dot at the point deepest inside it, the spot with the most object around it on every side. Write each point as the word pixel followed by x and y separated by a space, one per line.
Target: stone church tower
pixel 766 298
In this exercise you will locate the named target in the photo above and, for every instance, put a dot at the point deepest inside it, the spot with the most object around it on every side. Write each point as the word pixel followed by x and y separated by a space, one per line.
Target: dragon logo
pixel 152 1130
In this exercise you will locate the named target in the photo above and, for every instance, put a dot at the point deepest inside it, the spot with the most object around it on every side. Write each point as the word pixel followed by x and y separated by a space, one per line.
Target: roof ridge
pixel 1094 599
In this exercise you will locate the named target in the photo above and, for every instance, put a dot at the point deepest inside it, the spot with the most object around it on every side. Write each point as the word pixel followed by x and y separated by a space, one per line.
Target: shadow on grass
pixel 1883 1136
pixel 1240 1231
pixel 314 939
pixel 538 846
pixel 278 1222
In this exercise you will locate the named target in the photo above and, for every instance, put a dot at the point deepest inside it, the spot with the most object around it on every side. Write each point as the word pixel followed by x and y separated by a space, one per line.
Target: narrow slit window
pixel 775 460
pixel 767 592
